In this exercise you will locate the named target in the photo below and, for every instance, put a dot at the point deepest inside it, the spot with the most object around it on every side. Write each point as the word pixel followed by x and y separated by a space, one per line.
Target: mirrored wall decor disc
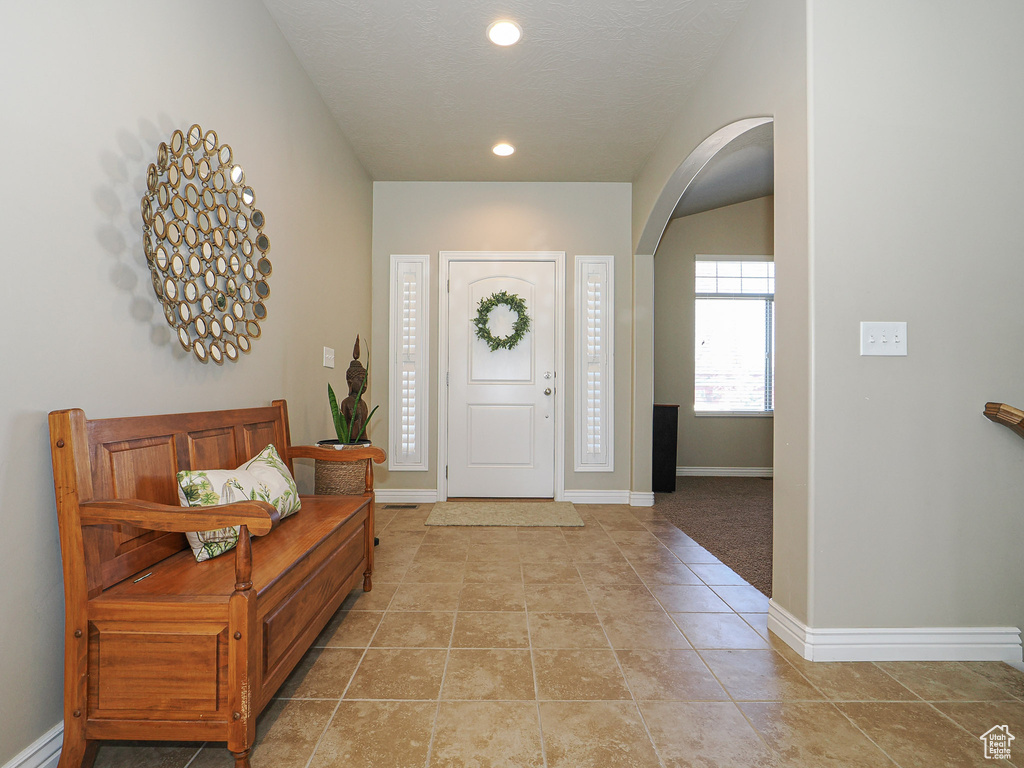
pixel 257 219
pixel 158 286
pixel 220 301
pixel 248 196
pixel 203 222
pixel 163 195
pixel 147 248
pixel 231 351
pixel 170 289
pixel 243 344
pixel 177 143
pixel 222 215
pixel 209 199
pixel 152 178
pixel 206 303
pixel 204 170
pixel 173 233
pixel 237 175
pixel 235 263
pixel 245 292
pixel 253 329
pixel 263 265
pixel 162 157
pixel 207 250
pixel 262 289
pixel 215 354
pixel 246 248
pixel 185 312
pixel 201 326
pixel 191 291
pixel 191 236
pixel 199 349
pixel 147 211
pixel 160 225
pixel 224 155
pixel 231 198
pixel 173 174
pixel 195 266
pixel 192 195
pixel 177 265
pixel 220 183
pixel 230 287
pixel 232 239
pixel 178 207
pixel 259 311
pixel 160 258
pixel 183 338
pixel 238 310
pixel 188 166
pixel 229 323
pixel 215 329
pixel 263 244
pixel 194 135
pixel 210 278
pixel 169 316
pixel 218 238
pixel 242 222
pixel 210 142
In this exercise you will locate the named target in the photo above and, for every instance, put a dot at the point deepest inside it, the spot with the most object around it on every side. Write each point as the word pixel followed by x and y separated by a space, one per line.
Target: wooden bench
pixel 158 646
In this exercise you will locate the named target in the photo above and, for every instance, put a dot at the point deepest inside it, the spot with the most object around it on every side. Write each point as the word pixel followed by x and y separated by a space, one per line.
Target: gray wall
pixel 89 90
pixel 743 230
pixel 578 218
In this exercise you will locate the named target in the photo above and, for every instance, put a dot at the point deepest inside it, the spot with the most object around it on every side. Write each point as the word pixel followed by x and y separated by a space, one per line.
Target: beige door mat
pixel 513 513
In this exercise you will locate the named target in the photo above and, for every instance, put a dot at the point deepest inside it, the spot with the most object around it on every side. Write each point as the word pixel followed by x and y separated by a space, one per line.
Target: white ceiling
pixel 585 96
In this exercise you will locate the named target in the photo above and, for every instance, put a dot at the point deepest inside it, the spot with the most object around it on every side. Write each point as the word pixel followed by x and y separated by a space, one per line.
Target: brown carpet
pixel 731 517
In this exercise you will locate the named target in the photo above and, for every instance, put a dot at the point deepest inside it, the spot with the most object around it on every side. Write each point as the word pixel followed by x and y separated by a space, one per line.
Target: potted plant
pixel 352 415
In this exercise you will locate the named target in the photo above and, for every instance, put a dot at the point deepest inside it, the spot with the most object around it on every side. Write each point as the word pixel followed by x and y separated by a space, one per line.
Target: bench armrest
pixel 330 454
pixel 259 516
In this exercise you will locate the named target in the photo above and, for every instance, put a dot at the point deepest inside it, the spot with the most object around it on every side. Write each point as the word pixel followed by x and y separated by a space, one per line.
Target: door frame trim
pixel 445 259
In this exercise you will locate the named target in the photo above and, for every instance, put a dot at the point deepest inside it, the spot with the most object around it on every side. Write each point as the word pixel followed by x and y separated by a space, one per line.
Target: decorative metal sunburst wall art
pixel 204 242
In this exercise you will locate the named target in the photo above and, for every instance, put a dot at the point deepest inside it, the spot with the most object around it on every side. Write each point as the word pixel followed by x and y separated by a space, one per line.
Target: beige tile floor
pixel 623 643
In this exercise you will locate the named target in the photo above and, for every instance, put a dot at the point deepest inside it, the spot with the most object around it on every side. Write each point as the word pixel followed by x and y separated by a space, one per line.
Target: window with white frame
pixel 734 339
pixel 407 420
pixel 594 321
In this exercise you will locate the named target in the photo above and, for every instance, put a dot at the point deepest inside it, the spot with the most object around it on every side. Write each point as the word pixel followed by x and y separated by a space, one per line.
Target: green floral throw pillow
pixel 263 478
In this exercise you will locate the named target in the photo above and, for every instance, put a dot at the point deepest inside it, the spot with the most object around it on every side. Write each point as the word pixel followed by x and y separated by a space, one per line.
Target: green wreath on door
pixel 482 320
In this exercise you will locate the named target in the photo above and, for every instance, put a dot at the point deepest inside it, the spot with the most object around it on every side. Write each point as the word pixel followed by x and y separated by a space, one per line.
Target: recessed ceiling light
pixel 504 32
pixel 503 149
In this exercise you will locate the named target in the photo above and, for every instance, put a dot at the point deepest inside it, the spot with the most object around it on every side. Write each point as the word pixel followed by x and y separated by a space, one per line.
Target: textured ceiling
pixel 585 96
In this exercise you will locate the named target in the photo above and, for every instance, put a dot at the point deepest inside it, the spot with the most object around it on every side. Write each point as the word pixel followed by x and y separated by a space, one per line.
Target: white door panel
pixel 501 425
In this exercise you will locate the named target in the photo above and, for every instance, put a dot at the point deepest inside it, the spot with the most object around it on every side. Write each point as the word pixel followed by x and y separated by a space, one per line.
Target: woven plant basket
pixel 340 477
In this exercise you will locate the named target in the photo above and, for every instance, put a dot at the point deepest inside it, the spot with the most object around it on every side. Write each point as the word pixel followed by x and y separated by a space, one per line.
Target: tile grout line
pixel 533 667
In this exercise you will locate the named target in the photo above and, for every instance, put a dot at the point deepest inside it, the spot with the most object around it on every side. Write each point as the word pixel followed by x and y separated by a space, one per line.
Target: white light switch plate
pixel 328 357
pixel 888 339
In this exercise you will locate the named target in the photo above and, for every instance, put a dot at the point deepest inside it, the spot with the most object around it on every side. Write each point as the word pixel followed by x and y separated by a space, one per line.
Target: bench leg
pixel 77 753
pixel 241 758
pixel 367 581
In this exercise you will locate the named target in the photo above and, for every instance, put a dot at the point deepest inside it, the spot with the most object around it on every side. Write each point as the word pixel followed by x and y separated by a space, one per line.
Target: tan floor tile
pixel 623 522
pixel 671 536
pixel 349 629
pixel 707 734
pixel 718 574
pixel 558 597
pixel 543 536
pixel 491 734
pixel 544 553
pixel 566 630
pixel 689 598
pixel 492 597
pixel 677 675
pixel 944 681
pixel 323 673
pixel 385 574
pixel 695 555
pixel 1006 677
pixel 399 538
pixel 642 538
pixel 434 573
pixel 393 554
pixel 489 674
pixel 140 754
pixel 376 599
pixel 977 717
pixel 494 553
pixel 497 534
pixel 578 675
pixel 551 573
pixel 915 735
pixel 447 534
pixel 743 598
pixel 674 573
pixel 814 735
pixel 637 629
pixel 852 680
pixel 377 734
pixel 718 630
pixel 441 553
pixel 595 735
pixel 603 555
pixel 629 598
pixel 407 523
pixel 415 629
pixel 758 676
pixel 491 630
pixel 759 622
pixel 659 555
pixel 406 673
pixel 608 573
pixel 503 572
pixel 286 734
pixel 426 597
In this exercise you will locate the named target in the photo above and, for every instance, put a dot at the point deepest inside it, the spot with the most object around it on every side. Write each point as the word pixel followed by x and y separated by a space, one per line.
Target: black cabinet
pixel 666 429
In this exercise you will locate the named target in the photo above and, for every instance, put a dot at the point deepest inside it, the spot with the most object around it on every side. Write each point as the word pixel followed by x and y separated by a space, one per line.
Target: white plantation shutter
pixel 408 354
pixel 594 324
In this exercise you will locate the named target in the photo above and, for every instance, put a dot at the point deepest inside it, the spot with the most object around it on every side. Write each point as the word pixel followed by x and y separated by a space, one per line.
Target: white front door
pixel 501 403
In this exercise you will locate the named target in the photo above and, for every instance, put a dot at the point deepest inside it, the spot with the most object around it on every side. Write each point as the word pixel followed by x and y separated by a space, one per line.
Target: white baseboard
pixel 895 643
pixel 641 498
pixel 405 495
pixel 596 497
pixel 725 471
pixel 44 752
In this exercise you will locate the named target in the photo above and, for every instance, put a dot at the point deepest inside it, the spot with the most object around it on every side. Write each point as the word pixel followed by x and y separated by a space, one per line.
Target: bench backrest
pixel 138 458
